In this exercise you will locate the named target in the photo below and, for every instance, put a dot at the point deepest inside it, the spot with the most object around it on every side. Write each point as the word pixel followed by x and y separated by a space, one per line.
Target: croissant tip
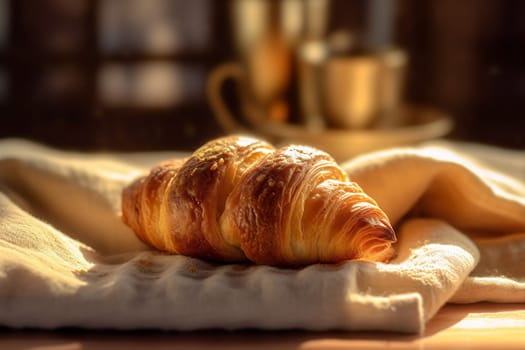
pixel 389 233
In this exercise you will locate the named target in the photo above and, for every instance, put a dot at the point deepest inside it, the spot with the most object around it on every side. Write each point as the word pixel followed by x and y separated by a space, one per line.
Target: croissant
pixel 239 199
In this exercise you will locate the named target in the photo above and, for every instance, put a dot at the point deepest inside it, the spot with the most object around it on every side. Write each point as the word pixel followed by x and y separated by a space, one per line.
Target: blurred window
pixel 4 25
pixel 3 85
pixel 149 84
pixel 154 26
pixel 144 45
pixel 59 83
pixel 96 69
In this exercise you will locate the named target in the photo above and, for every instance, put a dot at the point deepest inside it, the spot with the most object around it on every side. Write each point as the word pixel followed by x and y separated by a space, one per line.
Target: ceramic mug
pixel 254 110
pixel 265 34
pixel 421 123
pixel 352 90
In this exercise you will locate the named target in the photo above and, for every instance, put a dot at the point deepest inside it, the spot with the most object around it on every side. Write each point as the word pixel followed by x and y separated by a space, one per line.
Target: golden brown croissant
pixel 237 198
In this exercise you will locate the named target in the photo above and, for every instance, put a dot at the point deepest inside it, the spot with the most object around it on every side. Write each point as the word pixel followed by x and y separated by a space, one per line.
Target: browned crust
pixel 237 198
pixel 181 201
pixel 141 202
pixel 257 208
pixel 259 211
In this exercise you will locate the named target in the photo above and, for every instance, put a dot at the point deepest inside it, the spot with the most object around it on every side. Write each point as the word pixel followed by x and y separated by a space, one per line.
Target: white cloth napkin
pixel 66 260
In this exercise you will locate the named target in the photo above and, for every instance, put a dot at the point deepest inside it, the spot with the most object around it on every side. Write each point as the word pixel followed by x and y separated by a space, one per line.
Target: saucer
pixel 420 124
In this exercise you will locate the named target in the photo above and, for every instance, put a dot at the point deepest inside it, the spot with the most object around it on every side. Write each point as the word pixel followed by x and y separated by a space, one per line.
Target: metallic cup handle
pixel 254 114
pixel 214 86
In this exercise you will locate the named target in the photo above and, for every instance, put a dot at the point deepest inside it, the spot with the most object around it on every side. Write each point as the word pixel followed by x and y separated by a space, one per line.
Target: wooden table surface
pixel 476 326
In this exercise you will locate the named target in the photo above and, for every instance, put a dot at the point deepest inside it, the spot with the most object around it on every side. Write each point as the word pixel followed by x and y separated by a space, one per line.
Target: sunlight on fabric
pixel 505 182
pixel 490 322
pixel 440 153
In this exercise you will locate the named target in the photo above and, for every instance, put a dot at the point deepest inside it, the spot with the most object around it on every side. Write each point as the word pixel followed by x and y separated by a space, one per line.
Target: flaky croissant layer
pixel 238 198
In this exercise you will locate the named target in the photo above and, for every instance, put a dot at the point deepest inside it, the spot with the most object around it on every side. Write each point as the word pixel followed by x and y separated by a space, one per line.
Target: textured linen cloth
pixel 66 260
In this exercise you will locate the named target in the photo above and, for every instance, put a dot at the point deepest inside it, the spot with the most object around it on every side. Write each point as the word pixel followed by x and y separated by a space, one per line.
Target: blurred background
pixel 132 74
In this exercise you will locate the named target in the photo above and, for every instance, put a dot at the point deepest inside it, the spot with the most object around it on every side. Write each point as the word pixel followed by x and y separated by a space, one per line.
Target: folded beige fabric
pixel 67 260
